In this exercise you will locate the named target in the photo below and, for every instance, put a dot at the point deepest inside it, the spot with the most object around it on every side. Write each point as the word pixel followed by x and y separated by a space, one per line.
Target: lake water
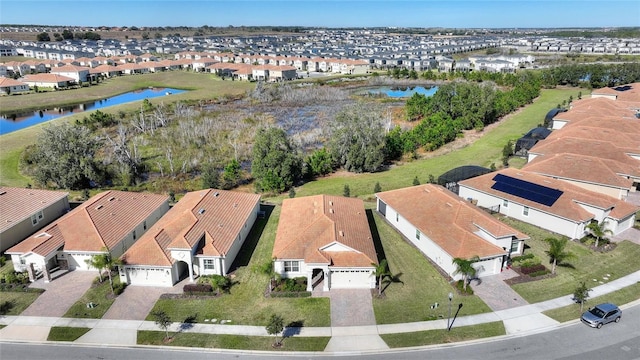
pixel 13 122
pixel 402 92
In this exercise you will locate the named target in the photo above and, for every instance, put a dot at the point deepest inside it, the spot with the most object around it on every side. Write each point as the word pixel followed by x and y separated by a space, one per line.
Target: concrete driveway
pixel 136 302
pixel 496 293
pixel 60 293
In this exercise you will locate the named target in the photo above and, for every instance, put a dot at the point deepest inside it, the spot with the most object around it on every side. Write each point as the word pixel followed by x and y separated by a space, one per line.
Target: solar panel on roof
pixel 526 190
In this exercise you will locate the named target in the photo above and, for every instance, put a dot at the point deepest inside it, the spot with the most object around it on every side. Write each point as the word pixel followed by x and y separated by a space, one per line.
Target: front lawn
pixel 18 300
pixel 422 285
pixel 239 342
pixel 463 333
pixel 246 303
pixel 65 333
pixel 98 294
pixel 619 297
pixel 594 268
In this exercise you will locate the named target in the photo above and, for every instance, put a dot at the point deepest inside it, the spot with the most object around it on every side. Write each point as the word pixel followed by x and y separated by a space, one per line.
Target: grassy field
pixel 239 342
pixel 571 312
pixel 483 152
pixel 246 303
pixel 64 333
pixel 99 295
pixel 420 281
pixel 456 334
pixel 587 265
pixel 202 87
pixel 20 300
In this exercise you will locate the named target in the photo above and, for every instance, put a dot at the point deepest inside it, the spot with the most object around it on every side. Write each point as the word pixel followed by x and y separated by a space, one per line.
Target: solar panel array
pixel 526 190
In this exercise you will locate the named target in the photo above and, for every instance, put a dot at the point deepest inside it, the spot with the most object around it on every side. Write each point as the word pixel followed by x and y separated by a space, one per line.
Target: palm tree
pixel 466 269
pixel 598 230
pixel 109 263
pixel 381 271
pixel 556 252
pixel 98 262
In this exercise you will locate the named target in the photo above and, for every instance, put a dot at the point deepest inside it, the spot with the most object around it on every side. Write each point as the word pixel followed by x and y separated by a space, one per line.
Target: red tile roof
pixel 17 204
pixel 216 215
pixel 568 204
pixel 102 221
pixel 449 221
pixel 317 228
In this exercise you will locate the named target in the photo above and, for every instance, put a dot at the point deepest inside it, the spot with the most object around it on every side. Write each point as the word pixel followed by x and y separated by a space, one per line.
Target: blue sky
pixel 325 13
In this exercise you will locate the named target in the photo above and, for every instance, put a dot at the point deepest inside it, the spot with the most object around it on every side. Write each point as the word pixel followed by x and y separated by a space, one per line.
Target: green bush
pixel 461 290
pixel 6 306
pixel 530 262
pixel 119 288
pixel 3 260
pixel 516 259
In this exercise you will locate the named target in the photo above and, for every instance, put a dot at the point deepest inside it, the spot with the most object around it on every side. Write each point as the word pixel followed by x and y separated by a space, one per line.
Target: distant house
pixel 443 227
pixel 25 211
pixel 327 240
pixel 77 73
pixel 551 204
pixel 201 235
pixel 48 80
pixel 9 86
pixel 112 220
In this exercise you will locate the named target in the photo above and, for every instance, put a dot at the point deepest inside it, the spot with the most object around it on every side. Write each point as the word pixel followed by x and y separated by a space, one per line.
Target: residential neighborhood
pixel 174 259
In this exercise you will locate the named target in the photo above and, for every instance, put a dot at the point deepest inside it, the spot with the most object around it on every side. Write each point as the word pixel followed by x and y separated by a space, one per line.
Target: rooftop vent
pixel 99 207
pixel 216 194
pixel 341 233
pixel 330 203
pixel 3 192
pixel 201 211
pixel 331 210
pixel 112 198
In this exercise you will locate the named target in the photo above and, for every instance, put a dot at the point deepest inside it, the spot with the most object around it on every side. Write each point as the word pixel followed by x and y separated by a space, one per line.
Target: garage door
pixel 350 279
pixel 149 277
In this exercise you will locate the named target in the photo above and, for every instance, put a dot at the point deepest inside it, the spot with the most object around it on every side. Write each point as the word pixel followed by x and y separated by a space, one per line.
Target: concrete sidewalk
pixel 517 320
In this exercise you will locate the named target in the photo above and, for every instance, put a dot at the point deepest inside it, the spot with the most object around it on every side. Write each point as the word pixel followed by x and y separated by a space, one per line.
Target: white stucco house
pixel 327 240
pixel 201 235
pixel 551 204
pixel 443 227
pixel 112 220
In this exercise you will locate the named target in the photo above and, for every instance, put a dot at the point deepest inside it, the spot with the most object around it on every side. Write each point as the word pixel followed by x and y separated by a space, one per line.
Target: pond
pixel 402 91
pixel 13 122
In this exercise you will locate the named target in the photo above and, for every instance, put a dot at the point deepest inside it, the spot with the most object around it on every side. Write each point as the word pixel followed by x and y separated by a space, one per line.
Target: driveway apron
pixel 60 294
pixel 496 293
pixel 351 307
pixel 136 302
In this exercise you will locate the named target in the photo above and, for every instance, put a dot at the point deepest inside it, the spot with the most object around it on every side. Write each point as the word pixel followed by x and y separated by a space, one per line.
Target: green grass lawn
pixel 20 300
pixel 619 297
pixel 246 303
pixel 232 341
pixel 463 333
pixel 586 266
pixel 201 86
pixel 99 295
pixel 423 285
pixel 64 333
pixel 483 152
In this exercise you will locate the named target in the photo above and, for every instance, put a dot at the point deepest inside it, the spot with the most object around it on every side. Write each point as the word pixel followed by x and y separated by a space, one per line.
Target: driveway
pixel 136 302
pixel 60 293
pixel 351 307
pixel 496 293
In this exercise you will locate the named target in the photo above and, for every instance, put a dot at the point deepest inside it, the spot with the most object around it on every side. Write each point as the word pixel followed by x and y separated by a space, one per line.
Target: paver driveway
pixel 351 307
pixel 496 293
pixel 136 301
pixel 60 293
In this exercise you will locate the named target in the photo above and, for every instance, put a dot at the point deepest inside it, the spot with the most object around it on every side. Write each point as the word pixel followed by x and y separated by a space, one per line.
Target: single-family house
pixel 109 221
pixel 326 239
pixel 551 204
pixel 25 211
pixel 201 235
pixel 54 81
pixel 78 73
pixel 443 227
pixel 10 86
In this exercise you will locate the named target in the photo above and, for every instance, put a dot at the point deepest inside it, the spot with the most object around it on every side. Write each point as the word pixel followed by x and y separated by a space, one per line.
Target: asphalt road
pixel 577 341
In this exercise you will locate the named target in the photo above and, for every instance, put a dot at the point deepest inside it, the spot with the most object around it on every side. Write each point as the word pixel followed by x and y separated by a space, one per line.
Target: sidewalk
pixel 517 320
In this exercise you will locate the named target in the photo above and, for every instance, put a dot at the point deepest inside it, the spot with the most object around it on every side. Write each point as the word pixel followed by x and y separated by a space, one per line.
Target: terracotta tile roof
pixel 17 204
pixel 325 229
pixel 7 82
pixel 449 221
pixel 626 140
pixel 628 92
pixel 218 218
pixel 596 148
pixel 47 78
pixel 582 168
pixel 102 221
pixel 568 204
pixel 70 69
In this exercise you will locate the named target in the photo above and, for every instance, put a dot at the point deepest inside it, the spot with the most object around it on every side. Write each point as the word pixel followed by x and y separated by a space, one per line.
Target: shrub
pixel 522 258
pixel 119 288
pixel 197 288
pixel 279 294
pixel 3 260
pixel 461 290
pixel 5 307
pixel 530 262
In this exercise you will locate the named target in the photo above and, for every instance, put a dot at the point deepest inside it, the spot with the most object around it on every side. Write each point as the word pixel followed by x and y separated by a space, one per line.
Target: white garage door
pixel 149 277
pixel 350 279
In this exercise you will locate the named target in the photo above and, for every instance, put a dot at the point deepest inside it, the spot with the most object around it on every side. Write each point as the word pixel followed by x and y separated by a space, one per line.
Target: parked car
pixel 601 314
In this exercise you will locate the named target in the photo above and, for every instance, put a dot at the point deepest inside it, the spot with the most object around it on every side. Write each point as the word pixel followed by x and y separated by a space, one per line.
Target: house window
pixel 23 261
pixel 40 215
pixel 209 264
pixel 134 235
pixel 34 220
pixel 144 225
pixel 515 246
pixel 397 217
pixel 291 266
pixel 417 234
pixel 505 203
pixel 525 211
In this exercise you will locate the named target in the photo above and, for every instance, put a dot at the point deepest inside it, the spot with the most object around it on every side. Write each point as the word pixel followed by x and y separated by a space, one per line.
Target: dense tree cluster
pixel 592 75
pixel 276 165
